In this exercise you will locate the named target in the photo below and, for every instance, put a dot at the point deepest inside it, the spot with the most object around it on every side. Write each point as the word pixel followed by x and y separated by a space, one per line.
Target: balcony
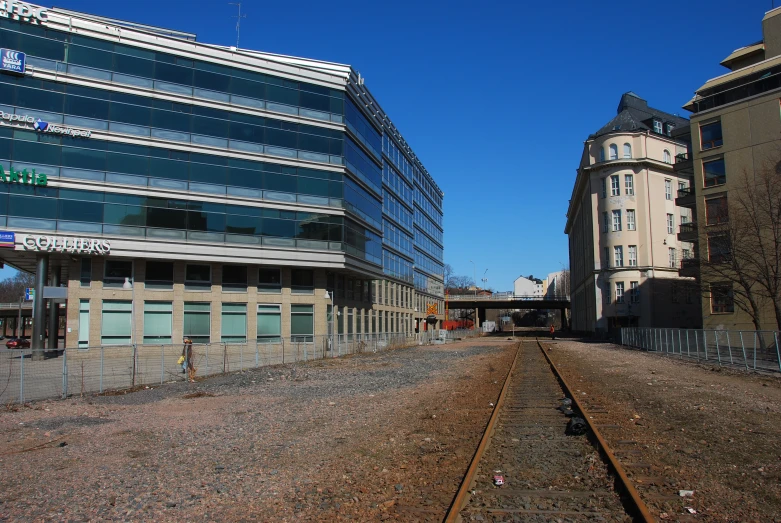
pixel 686 198
pixel 683 164
pixel 690 268
pixel 687 232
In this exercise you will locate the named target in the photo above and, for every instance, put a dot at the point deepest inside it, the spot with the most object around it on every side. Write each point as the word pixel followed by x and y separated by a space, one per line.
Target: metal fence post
pixel 688 353
pixel 256 354
pixel 64 374
pixel 743 347
pixel 778 355
pixel 162 363
pixel 207 359
pixel 21 377
pixel 704 345
pixel 729 348
pixel 101 369
pixel 755 350
pixel 718 352
pixel 241 357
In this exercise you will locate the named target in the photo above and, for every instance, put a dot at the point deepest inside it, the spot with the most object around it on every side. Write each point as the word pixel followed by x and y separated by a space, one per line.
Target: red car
pixel 17 343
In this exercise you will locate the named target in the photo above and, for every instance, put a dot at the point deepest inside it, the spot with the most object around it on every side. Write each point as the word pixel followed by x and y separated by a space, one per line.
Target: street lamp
pixel 329 296
pixel 485 280
pixel 128 286
pixel 474 275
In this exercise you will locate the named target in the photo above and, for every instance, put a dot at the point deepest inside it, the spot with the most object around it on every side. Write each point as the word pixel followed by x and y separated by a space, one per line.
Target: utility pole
pixel 238 21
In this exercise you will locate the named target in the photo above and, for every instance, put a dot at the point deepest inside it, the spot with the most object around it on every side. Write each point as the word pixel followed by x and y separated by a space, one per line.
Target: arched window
pixel 627 150
pixel 613 151
pixel 601 154
pixel 667 157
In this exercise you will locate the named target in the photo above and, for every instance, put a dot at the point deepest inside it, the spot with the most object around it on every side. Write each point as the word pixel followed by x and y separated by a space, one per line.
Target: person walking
pixel 552 331
pixel 187 359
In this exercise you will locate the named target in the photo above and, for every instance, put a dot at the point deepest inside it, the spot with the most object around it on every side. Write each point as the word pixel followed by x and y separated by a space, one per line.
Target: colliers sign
pixel 23 11
pixel 65 244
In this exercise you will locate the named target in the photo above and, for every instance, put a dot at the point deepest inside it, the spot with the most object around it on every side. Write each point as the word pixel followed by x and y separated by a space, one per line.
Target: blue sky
pixel 496 98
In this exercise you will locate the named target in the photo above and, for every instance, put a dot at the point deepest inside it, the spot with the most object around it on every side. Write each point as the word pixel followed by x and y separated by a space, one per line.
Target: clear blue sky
pixel 496 98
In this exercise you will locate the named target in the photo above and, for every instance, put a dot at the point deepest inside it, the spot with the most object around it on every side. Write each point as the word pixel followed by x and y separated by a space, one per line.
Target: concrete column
pixel 54 310
pixel 39 306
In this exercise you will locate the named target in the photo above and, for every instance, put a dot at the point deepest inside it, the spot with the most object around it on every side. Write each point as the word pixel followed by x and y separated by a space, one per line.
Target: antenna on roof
pixel 238 21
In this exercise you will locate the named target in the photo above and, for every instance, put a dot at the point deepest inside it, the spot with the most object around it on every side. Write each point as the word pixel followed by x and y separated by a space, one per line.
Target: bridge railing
pixel 503 296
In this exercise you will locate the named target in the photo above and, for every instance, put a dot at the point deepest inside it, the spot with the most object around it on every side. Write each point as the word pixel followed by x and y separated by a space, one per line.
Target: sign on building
pixel 12 61
pixel 29 13
pixel 29 293
pixel 7 239
pixel 65 244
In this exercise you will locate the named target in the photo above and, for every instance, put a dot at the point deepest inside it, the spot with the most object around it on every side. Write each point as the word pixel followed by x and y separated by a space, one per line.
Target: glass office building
pixel 206 191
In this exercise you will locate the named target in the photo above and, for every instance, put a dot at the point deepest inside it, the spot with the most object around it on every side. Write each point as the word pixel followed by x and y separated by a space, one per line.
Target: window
pixel 686 254
pixel 716 210
pixel 670 224
pixel 269 281
pixel 635 292
pixel 714 172
pixel 684 218
pixel 658 127
pixel 157 322
pixel 671 257
pixel 234 322
pixel 270 323
pixel 681 187
pixel 303 281
pixel 197 322
pixel 234 278
pixel 116 271
pixel 616 220
pixel 159 275
pixel 83 322
pixel 115 322
pixel 667 157
pixel 86 272
pixel 605 222
pixel 618 256
pixel 604 187
pixel 710 135
pixel 601 154
pixel 627 150
pixel 669 129
pixel 632 255
pixel 302 323
pixel 198 277
pixel 668 190
pixel 629 184
pixel 615 186
pixel 606 257
pixel 619 292
pixel 721 298
pixel 613 152
pixel 607 293
pixel 630 220
pixel 719 248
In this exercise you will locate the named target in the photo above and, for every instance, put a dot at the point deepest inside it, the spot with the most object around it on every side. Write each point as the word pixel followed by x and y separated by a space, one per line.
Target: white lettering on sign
pixel 23 11
pixel 64 244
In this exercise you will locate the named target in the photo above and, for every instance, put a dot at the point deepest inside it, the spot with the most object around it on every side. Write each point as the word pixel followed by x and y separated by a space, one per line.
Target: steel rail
pixel 453 513
pixel 637 508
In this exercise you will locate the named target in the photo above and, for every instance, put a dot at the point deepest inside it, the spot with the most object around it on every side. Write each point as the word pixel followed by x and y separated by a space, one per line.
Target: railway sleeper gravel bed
pixel 548 475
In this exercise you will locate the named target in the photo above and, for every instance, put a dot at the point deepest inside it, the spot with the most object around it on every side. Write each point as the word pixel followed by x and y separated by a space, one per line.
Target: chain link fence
pixel 754 350
pixel 116 367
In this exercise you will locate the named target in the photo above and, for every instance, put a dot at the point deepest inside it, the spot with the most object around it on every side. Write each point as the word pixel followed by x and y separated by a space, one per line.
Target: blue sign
pixel 7 239
pixel 12 61
pixel 29 293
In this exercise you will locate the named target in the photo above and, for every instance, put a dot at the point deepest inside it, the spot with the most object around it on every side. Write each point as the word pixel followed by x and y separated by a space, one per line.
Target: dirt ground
pixel 372 437
pixel 703 428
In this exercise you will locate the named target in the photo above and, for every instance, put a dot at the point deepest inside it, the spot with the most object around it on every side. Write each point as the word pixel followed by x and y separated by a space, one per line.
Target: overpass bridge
pixel 507 300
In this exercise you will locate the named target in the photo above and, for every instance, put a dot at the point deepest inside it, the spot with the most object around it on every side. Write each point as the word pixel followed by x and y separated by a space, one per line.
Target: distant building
pixel 622 223
pixel 528 287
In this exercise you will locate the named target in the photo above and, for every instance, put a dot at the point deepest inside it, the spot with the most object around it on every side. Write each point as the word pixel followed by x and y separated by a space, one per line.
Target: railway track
pixel 547 475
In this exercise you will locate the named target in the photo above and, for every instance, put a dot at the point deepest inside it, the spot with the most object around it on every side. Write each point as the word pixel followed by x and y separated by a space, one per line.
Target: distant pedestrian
pixel 187 359
pixel 552 331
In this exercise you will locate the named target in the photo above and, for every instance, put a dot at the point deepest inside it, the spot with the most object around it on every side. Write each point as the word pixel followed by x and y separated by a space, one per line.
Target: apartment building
pixel 622 225
pixel 180 188
pixel 734 136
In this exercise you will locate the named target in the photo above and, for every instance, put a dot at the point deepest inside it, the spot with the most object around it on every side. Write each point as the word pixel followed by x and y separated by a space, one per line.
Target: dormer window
pixel 658 126
pixel 669 129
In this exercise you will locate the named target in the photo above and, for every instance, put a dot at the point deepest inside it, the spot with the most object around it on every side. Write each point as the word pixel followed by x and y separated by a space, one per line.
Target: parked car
pixel 17 343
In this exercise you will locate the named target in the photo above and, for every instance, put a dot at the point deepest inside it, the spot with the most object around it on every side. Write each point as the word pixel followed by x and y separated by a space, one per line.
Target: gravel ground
pixel 712 430
pixel 371 437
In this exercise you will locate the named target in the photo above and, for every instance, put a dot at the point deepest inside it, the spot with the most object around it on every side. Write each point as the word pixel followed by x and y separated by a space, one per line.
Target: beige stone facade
pixel 622 225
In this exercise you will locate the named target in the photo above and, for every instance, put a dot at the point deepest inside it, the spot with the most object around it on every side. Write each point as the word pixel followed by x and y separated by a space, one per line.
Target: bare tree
pixel 11 289
pixel 742 260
